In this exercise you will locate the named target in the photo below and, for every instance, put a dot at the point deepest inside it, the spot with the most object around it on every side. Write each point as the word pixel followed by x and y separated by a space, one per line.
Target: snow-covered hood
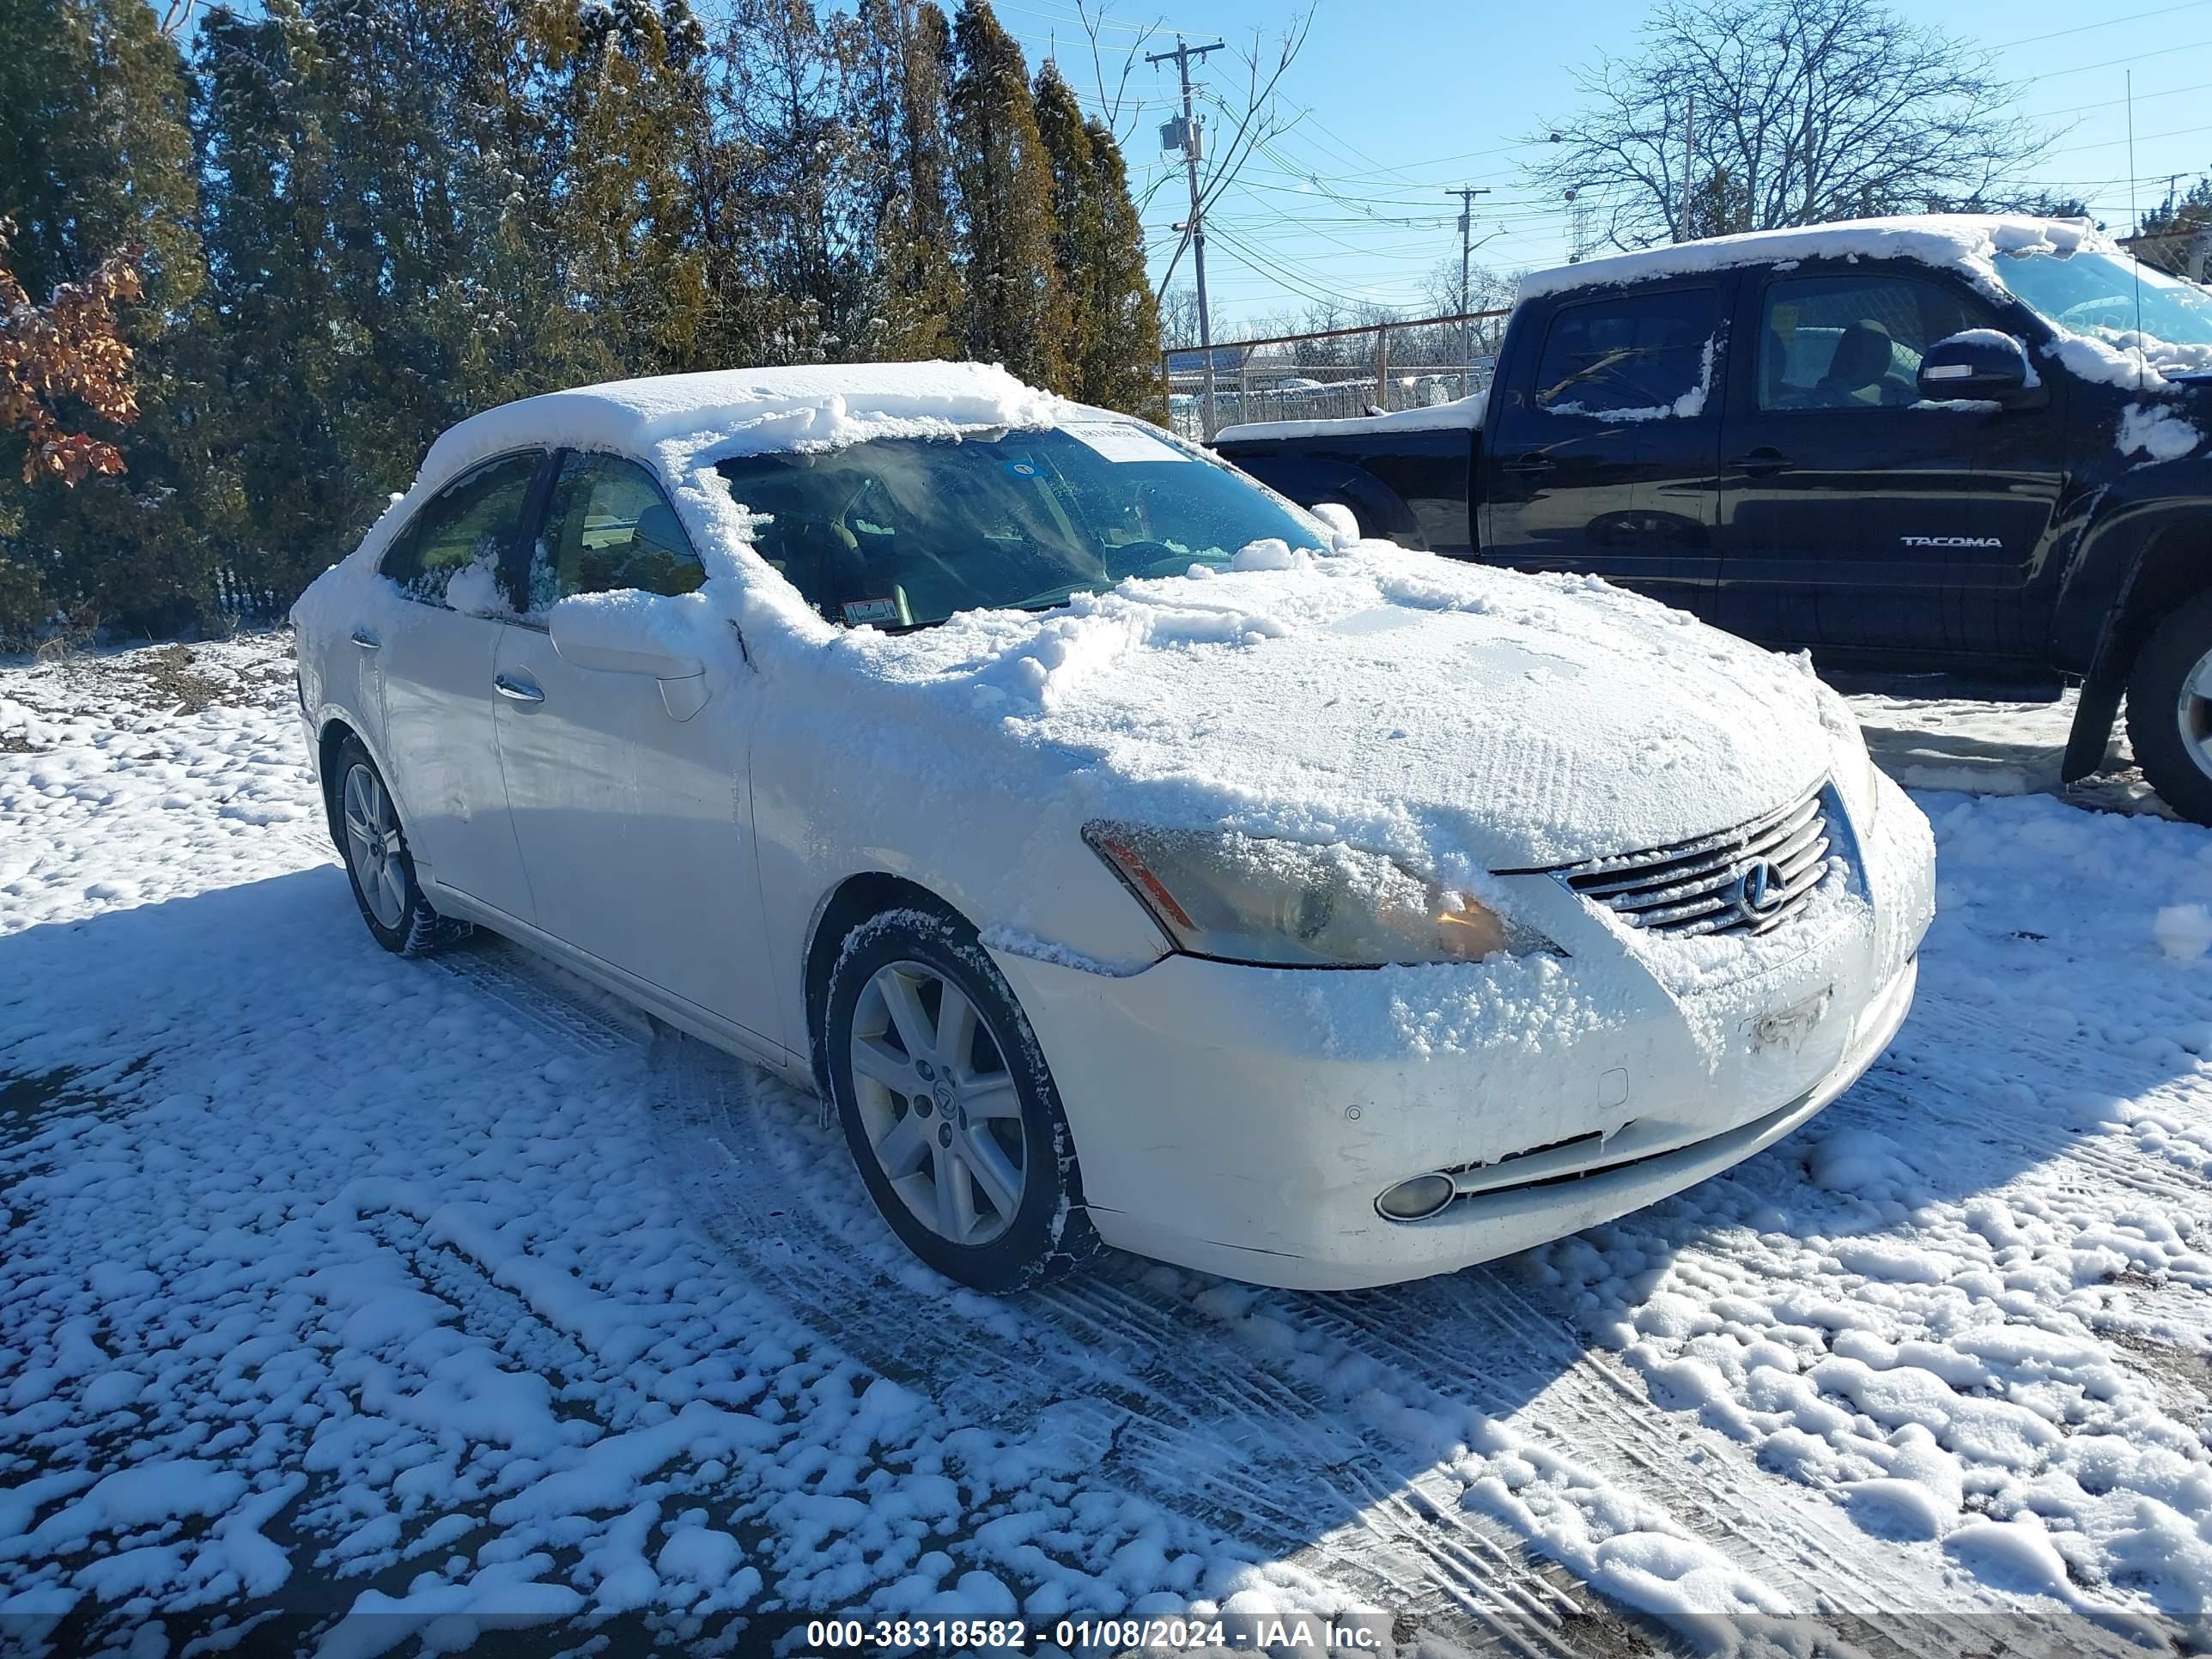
pixel 1460 718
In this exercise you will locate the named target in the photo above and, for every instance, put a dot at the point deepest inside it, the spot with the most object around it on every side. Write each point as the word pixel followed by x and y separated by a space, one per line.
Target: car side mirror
pixel 1338 519
pixel 633 632
pixel 1980 363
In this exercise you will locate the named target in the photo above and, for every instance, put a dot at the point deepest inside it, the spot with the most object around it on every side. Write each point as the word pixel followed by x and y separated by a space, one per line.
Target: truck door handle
pixel 520 690
pixel 1763 461
pixel 367 640
pixel 1530 464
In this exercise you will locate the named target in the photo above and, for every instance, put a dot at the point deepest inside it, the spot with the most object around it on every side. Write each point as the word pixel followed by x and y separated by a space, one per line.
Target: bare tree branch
pixel 1116 108
pixel 1749 114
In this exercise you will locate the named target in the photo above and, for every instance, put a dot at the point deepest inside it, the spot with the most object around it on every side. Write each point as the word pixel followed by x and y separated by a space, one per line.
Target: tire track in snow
pixel 1157 1400
pixel 1795 1540
pixel 1193 1430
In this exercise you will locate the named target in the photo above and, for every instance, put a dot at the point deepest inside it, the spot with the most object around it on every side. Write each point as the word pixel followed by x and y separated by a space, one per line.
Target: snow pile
pixel 2122 357
pixel 1967 241
pixel 1460 415
pixel 2183 931
pixel 1581 720
pixel 2157 434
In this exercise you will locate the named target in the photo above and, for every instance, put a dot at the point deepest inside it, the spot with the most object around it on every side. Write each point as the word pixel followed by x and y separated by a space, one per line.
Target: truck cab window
pixel 1644 353
pixel 1853 342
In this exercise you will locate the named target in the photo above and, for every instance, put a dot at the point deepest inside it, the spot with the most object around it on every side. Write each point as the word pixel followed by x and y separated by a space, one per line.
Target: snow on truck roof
pixel 680 418
pixel 1949 240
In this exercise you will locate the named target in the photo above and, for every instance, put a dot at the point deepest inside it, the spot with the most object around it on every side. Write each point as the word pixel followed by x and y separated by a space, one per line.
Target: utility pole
pixel 1185 133
pixel 1467 196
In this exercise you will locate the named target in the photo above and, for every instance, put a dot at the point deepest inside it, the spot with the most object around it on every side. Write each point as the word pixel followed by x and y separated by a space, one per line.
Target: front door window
pixel 608 527
pixel 1853 342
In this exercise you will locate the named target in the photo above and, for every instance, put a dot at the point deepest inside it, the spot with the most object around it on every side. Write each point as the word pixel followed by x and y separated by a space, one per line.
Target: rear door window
pixel 1631 355
pixel 468 525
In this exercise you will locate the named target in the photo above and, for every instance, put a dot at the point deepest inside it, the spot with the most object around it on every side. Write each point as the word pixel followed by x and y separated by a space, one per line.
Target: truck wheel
pixel 2170 709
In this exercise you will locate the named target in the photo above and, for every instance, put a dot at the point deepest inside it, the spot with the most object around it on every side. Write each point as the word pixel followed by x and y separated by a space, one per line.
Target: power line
pixel 2103 23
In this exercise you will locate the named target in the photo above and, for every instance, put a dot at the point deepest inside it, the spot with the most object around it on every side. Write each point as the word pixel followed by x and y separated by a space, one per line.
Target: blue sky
pixel 1402 99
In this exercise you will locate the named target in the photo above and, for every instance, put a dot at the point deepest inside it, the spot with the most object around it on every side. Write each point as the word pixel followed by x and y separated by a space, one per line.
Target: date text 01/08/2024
pixel 1250 1633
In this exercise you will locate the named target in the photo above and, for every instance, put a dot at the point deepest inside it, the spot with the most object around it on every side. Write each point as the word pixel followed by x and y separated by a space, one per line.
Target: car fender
pixel 2146 547
pixel 323 717
pixel 1009 854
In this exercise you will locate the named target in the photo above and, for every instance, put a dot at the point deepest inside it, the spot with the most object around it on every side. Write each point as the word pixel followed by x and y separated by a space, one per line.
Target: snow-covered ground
pixel 379 1302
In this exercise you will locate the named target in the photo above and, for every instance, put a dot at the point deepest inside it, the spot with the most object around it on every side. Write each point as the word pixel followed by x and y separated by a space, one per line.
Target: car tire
pixel 373 842
pixel 954 1123
pixel 2170 709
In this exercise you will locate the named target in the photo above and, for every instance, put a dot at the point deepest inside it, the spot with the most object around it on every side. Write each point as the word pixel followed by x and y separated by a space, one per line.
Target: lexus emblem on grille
pixel 1759 890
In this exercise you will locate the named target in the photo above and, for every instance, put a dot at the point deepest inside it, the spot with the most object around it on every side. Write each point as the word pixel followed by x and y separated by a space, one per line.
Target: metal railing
pixel 1333 373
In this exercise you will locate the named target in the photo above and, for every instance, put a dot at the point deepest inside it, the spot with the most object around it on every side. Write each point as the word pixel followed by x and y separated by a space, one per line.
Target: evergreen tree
pixel 1098 250
pixel 899 57
pixel 1016 313
pixel 1076 223
pixel 808 212
pixel 1122 369
pixel 290 485
pixel 361 220
pixel 632 114
pixel 96 158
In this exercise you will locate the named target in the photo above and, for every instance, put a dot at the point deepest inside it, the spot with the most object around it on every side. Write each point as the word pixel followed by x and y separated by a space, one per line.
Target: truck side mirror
pixel 1980 363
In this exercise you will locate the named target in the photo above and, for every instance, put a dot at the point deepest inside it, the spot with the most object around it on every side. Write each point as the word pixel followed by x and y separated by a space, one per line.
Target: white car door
pixel 436 664
pixel 629 801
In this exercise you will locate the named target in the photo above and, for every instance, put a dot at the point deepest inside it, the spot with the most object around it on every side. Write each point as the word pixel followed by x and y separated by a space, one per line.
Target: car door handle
pixel 520 690
pixel 1530 464
pixel 367 640
pixel 1762 461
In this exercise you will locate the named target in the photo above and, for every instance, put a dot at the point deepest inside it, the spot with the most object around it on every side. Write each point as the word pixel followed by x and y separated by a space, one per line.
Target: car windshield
pixel 902 532
pixel 2092 293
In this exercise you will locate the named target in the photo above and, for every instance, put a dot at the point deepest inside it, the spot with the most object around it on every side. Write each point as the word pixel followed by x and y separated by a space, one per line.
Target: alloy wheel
pixel 940 1109
pixel 373 845
pixel 2192 712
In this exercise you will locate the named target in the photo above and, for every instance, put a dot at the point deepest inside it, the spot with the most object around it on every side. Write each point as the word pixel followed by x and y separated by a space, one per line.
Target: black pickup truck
pixel 1974 447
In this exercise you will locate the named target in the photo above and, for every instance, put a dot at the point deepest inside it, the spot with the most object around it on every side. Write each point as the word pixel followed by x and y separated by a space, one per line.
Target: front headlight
pixel 1852 767
pixel 1246 898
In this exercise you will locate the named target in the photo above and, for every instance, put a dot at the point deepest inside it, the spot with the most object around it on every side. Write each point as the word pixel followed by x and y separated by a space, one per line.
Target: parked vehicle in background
pixel 1301 909
pixel 1971 445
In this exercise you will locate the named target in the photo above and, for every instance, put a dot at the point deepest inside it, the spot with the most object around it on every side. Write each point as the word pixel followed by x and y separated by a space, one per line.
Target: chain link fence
pixel 1333 373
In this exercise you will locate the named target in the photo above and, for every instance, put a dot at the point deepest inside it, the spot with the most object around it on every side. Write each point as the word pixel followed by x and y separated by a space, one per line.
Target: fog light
pixel 1416 1200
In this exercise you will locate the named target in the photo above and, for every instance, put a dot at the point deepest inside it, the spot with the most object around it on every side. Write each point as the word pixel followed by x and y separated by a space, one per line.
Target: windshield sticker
pixel 1118 441
pixel 890 612
pixel 1022 469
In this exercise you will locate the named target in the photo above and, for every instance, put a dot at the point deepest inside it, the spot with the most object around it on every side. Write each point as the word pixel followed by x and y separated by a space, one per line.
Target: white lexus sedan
pixel 1131 857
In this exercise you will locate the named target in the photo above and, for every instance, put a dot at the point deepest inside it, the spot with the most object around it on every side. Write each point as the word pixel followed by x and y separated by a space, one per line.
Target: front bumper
pixel 1244 1120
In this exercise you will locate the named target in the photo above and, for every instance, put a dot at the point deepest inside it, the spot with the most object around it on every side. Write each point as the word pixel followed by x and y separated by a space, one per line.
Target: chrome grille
pixel 1699 886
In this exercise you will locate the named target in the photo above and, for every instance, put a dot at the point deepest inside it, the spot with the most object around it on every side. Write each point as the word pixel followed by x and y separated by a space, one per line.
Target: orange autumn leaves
pixel 66 351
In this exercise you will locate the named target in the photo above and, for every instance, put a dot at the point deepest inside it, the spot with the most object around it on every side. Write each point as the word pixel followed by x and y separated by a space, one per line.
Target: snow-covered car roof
pixel 1952 241
pixel 682 419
